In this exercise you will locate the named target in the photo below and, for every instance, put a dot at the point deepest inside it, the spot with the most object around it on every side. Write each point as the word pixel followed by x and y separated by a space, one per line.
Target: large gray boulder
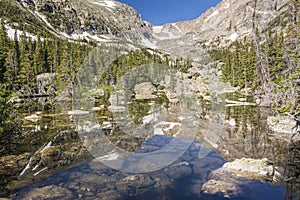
pixel 145 90
pixel 229 179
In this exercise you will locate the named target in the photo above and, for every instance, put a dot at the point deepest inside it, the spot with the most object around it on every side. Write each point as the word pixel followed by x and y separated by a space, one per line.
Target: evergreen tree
pixel 46 60
pixel 3 50
pixel 26 78
pixel 63 72
pixel 38 57
pixel 10 72
pixel 275 58
pixel 12 65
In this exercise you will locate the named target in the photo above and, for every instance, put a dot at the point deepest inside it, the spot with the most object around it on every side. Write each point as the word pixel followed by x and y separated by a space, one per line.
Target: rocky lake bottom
pixel 184 179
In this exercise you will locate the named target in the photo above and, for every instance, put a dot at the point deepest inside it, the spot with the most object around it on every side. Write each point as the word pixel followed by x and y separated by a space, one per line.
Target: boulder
pixel 98 108
pixel 260 169
pixel 45 83
pixel 167 128
pixel 225 187
pixel 117 109
pixel 230 179
pixel 281 124
pixel 172 97
pixel 145 90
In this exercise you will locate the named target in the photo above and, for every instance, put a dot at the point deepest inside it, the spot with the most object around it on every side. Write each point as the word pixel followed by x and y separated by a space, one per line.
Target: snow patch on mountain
pixel 233 37
pixel 11 33
pixel 216 12
pixel 84 35
pixel 105 3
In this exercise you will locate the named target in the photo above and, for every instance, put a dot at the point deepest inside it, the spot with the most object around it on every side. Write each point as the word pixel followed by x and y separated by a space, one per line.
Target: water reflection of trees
pixel 292 171
pixel 250 136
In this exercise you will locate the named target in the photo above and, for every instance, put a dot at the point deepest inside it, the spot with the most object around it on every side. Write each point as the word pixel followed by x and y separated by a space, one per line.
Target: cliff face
pixel 93 16
pixel 98 21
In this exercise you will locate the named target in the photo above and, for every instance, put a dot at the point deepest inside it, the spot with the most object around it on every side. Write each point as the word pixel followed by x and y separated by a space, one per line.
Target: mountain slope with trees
pixel 269 63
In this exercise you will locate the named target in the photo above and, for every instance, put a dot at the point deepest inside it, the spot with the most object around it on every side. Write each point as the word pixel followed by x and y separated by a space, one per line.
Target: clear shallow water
pixel 181 180
pixel 52 147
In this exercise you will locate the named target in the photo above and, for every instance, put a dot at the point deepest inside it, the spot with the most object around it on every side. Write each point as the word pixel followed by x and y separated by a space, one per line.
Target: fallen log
pixel 31 96
pixel 231 103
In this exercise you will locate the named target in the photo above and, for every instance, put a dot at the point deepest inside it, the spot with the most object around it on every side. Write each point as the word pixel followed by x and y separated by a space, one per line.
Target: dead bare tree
pixel 262 69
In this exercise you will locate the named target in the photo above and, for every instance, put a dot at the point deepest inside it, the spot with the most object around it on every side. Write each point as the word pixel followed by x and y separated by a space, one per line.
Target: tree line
pixel 23 58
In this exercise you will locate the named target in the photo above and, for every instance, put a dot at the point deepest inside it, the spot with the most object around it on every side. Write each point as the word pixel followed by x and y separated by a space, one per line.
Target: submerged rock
pixel 49 192
pixel 109 195
pixel 227 188
pixel 64 150
pixel 12 164
pixel 137 181
pixel 178 171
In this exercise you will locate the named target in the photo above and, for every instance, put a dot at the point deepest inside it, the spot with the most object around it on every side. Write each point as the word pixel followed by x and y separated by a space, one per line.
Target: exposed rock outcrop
pixel 91 16
pixel 45 83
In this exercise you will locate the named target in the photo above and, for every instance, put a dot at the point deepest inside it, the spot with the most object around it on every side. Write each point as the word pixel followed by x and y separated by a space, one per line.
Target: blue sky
pixel 159 12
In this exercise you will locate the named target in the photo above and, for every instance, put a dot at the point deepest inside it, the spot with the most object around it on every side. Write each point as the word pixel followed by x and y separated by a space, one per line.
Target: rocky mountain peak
pixel 230 15
pixel 230 20
pixel 76 18
pixel 105 20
